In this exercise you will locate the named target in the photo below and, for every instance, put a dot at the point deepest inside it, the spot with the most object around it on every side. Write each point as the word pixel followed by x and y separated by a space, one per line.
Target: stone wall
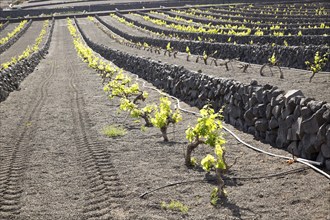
pixel 125 6
pixel 4 25
pixel 101 7
pixel 293 57
pixel 292 30
pixel 12 40
pixel 267 39
pixel 286 120
pixel 11 78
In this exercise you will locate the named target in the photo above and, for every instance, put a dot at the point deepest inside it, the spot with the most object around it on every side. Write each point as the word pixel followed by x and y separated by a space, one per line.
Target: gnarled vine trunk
pixel 221 184
pixel 146 118
pixel 164 133
pixel 190 148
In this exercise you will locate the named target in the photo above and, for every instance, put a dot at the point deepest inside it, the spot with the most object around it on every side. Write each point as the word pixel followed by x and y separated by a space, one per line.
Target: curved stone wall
pixel 11 78
pixel 284 119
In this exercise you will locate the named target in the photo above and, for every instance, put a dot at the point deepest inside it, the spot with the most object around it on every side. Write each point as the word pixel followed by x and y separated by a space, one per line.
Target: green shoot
pixel 214 196
pixel 114 131
pixel 168 47
pixel 272 60
pixel 193 161
pixel 208 131
pixel 175 206
pixel 164 116
pixel 188 53
pixel 317 65
pixel 285 43
pixel 136 112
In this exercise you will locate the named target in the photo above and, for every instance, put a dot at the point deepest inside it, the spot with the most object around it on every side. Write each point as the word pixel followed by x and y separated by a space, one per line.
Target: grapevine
pixel 164 116
pixel 208 131
pixel 273 62
pixel 13 33
pixel 29 50
pixel 317 65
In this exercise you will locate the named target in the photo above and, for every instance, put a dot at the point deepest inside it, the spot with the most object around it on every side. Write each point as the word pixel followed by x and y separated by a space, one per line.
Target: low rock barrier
pixel 286 120
pixel 4 25
pixel 11 78
pixel 293 57
pixel 5 46
pixel 266 39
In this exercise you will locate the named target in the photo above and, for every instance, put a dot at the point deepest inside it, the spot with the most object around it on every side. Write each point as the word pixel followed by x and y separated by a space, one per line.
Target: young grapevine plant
pixel 136 112
pixel 272 62
pixel 164 116
pixel 208 131
pixel 13 33
pixel 119 87
pixel 29 49
pixel 317 65
pixel 188 53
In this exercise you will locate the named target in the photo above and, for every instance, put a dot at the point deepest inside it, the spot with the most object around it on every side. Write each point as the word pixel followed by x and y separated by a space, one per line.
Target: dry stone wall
pixel 266 39
pixel 286 120
pixel 11 78
pixel 4 25
pixel 293 57
pixel 12 40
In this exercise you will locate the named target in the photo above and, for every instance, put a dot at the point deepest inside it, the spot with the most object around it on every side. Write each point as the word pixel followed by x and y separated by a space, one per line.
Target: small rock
pixel 292 93
pixel 290 106
pixel 249 117
pixel 281 141
pixel 308 145
pixel 276 111
pixel 321 134
pixel 312 124
pixel 314 105
pixel 327 164
pixel 253 101
pixel 292 135
pixel 271 137
pixel 296 127
pixel 326 113
pixel 251 130
pixel 273 123
pixel 277 100
pixel 320 158
pixel 268 111
pixel 254 82
pixel 261 125
pixel 297 112
pixel 293 148
pixel 261 111
pixel 305 112
pixel 325 149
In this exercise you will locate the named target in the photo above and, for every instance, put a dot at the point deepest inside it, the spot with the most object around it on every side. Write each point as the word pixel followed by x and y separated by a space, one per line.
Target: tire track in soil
pixel 105 190
pixel 17 155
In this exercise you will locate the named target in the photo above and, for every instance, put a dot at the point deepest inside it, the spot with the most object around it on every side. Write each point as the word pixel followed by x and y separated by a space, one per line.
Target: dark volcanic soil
pixel 55 163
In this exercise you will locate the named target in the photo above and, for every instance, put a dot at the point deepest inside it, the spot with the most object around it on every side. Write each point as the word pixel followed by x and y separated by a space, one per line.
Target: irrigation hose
pixel 226 178
pixel 309 163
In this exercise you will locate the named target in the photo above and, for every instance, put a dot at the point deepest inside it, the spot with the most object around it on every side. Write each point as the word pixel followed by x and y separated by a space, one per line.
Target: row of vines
pixel 132 99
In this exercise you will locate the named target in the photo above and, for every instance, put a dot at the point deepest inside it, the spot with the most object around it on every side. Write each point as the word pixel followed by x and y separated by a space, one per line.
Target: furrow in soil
pixel 104 184
pixel 16 155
